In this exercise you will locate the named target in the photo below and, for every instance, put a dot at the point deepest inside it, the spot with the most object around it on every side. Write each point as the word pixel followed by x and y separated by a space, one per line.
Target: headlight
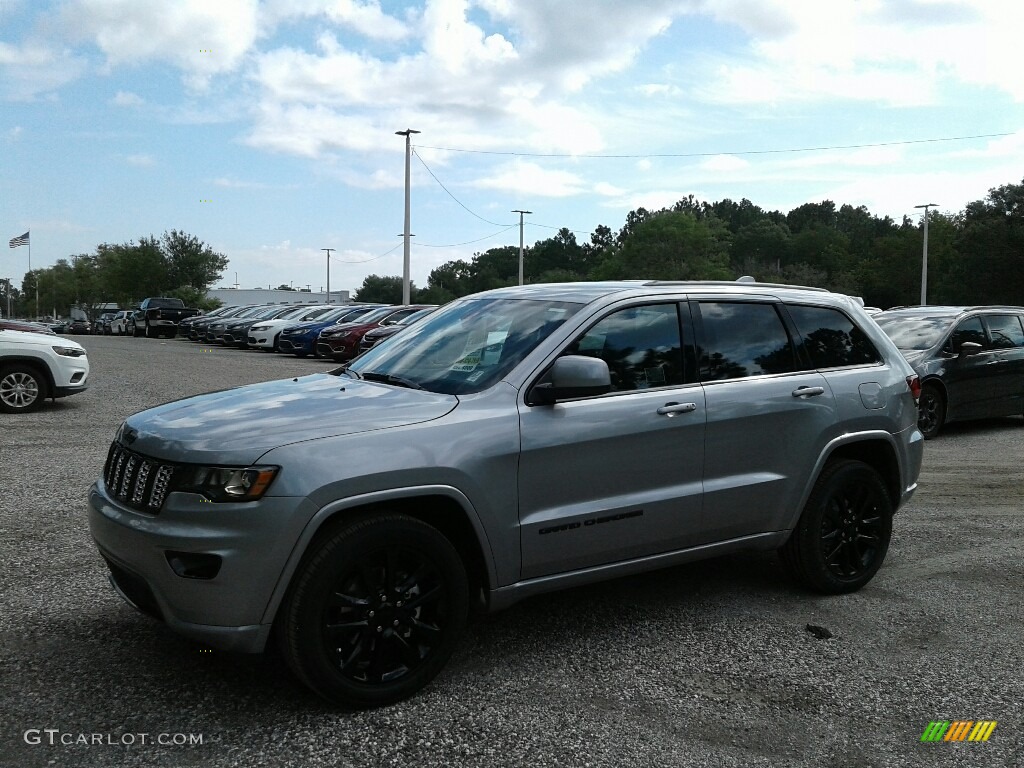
pixel 227 483
pixel 69 351
pixel 260 328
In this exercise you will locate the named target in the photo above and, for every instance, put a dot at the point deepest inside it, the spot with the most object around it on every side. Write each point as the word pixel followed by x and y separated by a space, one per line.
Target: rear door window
pixel 831 339
pixel 743 339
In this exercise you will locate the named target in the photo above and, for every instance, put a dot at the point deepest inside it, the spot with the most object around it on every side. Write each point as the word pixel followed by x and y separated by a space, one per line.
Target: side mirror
pixel 573 376
pixel 969 348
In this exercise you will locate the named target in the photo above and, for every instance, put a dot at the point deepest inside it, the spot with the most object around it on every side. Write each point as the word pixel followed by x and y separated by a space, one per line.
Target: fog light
pixel 194 565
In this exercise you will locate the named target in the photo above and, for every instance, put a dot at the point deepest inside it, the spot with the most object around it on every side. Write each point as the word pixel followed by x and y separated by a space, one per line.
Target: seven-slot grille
pixel 135 480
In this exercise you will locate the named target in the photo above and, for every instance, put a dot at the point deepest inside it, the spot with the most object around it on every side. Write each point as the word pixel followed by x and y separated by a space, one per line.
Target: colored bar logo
pixel 958 730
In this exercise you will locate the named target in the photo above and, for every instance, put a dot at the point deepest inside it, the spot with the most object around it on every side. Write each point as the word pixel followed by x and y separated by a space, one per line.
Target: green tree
pixel 676 245
pixel 190 261
pixel 385 290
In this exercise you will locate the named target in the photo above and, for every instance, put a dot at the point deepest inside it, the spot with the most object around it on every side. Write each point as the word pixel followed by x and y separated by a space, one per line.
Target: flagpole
pixel 30 269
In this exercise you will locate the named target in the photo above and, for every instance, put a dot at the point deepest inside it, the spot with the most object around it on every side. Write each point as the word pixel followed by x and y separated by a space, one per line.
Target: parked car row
pixel 331 330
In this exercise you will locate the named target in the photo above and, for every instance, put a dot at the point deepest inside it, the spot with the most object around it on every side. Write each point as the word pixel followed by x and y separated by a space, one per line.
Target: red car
pixel 341 342
pixel 20 325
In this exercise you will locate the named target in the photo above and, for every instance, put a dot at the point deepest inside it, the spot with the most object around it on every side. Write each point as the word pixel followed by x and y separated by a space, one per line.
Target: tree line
pixel 175 264
pixel 974 257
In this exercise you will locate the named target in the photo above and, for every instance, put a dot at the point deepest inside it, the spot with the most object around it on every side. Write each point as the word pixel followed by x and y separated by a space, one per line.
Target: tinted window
pixel 743 339
pixel 831 338
pixel 1006 331
pixel 968 330
pixel 641 345
pixel 913 332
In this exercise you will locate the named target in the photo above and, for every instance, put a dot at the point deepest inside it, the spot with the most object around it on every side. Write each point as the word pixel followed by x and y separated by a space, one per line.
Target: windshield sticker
pixel 467 363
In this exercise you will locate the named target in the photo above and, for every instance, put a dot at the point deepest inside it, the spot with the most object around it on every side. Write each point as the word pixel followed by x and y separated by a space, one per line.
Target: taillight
pixel 915 386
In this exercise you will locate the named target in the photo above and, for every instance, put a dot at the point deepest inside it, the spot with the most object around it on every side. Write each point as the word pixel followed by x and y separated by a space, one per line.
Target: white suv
pixel 34 367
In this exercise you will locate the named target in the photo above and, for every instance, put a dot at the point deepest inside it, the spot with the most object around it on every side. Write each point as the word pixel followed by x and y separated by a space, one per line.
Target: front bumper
pixel 251 540
pixel 297 345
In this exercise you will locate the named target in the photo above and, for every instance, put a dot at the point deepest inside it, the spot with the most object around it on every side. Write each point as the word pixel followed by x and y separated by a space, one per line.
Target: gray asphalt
pixel 708 664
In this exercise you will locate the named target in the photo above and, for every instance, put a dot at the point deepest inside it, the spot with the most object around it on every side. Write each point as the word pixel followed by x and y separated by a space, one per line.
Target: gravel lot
pixel 708 664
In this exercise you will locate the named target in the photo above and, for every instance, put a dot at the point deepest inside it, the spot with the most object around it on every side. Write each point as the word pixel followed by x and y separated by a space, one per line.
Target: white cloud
pixel 651 199
pixel 525 177
pixel 608 190
pixel 724 164
pixel 365 18
pixel 34 68
pixel 140 161
pixel 201 38
pixel 895 52
pixel 126 99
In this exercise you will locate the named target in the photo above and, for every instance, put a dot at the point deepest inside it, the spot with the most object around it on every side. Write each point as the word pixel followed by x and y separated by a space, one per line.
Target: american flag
pixel 19 240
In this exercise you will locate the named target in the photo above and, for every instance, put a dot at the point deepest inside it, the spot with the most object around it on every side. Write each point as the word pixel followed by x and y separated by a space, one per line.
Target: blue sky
pixel 267 129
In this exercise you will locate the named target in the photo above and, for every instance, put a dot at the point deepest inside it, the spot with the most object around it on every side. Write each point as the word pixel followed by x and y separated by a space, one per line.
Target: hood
pixel 239 425
pixel 30 337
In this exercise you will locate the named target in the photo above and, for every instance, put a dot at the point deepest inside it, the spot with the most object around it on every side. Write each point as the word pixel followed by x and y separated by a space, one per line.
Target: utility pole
pixel 924 256
pixel 405 259
pixel 521 242
pixel 328 271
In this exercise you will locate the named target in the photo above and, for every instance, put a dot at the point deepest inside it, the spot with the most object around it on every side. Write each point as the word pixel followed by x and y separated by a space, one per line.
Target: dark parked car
pixel 197 329
pixel 236 332
pixel 970 360
pixel 215 330
pixel 102 324
pixel 185 326
pixel 341 342
pixel 377 335
pixel 79 326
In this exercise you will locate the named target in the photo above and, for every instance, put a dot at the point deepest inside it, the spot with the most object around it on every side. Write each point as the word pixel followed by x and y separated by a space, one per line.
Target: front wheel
pixel 22 388
pixel 931 411
pixel 375 610
pixel 843 533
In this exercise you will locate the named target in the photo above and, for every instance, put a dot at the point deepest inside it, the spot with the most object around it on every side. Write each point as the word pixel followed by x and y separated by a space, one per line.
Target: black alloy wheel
pixel 844 532
pixel 375 610
pixel 931 411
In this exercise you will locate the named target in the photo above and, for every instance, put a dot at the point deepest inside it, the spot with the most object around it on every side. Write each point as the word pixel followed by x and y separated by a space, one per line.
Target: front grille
pixel 135 480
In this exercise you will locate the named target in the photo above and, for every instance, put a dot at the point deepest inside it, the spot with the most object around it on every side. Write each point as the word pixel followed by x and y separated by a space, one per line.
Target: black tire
pixel 135 331
pixel 22 388
pixel 844 531
pixel 148 332
pixel 374 611
pixel 275 348
pixel 931 411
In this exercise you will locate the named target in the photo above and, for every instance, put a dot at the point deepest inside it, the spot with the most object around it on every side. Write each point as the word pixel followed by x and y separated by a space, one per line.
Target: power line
pixel 453 197
pixel 468 242
pixel 713 154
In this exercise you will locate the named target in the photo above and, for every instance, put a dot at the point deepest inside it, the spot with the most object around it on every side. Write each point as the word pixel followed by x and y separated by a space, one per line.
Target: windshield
pixel 915 332
pixel 466 346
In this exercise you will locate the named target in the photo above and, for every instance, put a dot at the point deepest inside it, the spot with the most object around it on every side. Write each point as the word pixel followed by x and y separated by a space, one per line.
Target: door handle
pixel 671 409
pixel 808 391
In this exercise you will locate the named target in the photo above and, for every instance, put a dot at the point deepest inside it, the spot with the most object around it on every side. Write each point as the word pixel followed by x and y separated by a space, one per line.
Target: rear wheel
pixel 844 531
pixel 22 388
pixel 931 411
pixel 375 610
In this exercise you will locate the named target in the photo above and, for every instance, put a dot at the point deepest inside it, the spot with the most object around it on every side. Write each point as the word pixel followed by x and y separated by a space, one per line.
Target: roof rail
pixel 734 283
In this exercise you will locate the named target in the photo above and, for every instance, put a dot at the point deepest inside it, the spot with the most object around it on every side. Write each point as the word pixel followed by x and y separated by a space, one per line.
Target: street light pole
pixel 924 255
pixel 521 242
pixel 328 271
pixel 408 132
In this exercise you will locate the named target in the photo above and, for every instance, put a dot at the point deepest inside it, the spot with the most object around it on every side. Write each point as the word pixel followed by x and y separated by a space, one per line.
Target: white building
pixel 236 296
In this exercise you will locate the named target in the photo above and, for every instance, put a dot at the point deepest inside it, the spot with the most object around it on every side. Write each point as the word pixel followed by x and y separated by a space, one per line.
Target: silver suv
pixel 515 442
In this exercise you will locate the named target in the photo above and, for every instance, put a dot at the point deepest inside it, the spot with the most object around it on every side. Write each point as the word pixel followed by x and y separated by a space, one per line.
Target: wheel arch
pixel 445 508
pixel 876 449
pixel 38 364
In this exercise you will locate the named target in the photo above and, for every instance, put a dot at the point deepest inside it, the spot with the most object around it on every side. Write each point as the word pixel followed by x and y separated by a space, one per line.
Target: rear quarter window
pixel 831 339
